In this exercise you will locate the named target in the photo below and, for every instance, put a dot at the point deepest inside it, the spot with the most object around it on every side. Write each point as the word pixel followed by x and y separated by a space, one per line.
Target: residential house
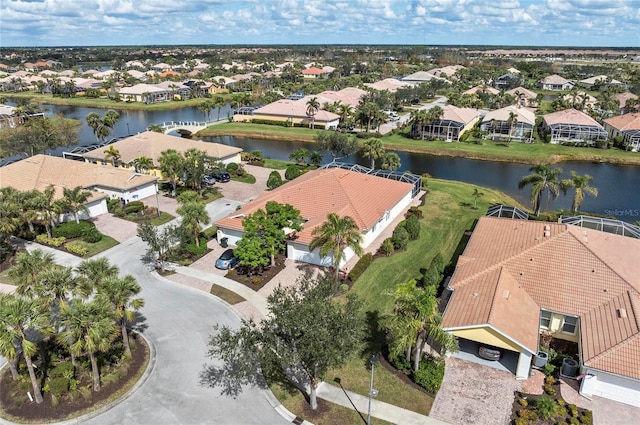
pixel 147 93
pixel 41 171
pixel 373 202
pixel 313 72
pixel 518 279
pixel 421 77
pixel 628 127
pixel 453 123
pixel 573 126
pixel 446 71
pixel 579 100
pixel 628 102
pixel 481 89
pixel 507 81
pixel 348 96
pixel 555 82
pixel 524 97
pixel 389 84
pixel 151 145
pixel 593 83
pixel 292 111
pixel 510 123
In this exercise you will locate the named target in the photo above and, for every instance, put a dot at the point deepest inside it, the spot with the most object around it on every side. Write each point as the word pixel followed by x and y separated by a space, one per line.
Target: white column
pixel 524 364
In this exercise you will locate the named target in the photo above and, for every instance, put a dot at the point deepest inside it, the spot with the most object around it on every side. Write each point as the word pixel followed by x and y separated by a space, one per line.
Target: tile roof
pixel 623 97
pixel 461 115
pixel 40 171
pixel 294 108
pixel 554 79
pixel 152 144
pixel 528 94
pixel 390 84
pixel 502 114
pixel 363 197
pixel 349 95
pixel 625 122
pixel 570 116
pixel 572 270
pixel 480 89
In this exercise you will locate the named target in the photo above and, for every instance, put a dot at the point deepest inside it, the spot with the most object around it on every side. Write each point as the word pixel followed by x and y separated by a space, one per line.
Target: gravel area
pixel 474 394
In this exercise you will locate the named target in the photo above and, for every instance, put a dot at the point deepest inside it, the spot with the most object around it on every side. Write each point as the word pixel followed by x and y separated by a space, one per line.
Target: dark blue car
pixel 227 260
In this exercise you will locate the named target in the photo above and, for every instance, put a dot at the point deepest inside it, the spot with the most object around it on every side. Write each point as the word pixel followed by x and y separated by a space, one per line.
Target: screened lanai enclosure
pixel 517 131
pixel 575 133
pixel 440 130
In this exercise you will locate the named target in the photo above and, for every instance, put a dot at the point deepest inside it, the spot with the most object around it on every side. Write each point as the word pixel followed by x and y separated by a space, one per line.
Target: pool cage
pixel 576 133
pixel 414 179
pixel 617 227
pixel 506 211
pixel 444 129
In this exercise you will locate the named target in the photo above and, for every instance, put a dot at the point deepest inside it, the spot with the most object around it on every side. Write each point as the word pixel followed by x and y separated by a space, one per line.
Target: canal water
pixel 618 185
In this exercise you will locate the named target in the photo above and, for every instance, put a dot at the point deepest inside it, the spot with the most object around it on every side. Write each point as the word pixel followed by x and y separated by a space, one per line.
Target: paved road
pixel 178 321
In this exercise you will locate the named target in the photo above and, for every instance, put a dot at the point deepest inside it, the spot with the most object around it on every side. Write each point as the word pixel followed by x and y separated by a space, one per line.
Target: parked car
pixel 227 260
pixel 208 181
pixel 489 352
pixel 220 176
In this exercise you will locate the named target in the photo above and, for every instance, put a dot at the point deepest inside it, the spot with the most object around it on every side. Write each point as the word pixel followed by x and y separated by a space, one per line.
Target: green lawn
pixel 247 178
pixel 226 295
pixel 260 131
pixel 448 214
pixel 95 248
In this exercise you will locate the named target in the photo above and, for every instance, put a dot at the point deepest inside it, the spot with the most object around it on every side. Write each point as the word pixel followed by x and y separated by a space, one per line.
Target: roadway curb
pixel 271 398
pixel 125 396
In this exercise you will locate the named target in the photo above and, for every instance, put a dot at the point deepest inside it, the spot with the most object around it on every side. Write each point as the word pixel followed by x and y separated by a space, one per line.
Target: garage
pixel 610 386
pixel 469 352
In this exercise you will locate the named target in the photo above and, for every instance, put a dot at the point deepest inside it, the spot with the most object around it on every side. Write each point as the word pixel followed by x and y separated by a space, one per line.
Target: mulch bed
pixel 24 410
pixel 257 280
pixel 402 375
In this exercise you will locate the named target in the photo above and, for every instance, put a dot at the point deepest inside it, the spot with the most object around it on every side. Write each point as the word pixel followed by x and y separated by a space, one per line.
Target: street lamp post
pixel 373 361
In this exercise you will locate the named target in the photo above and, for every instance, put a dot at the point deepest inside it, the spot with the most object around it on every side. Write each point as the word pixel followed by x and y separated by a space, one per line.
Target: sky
pixel 597 23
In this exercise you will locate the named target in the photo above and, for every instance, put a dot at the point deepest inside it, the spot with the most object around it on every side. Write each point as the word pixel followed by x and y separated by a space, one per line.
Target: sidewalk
pixel 379 409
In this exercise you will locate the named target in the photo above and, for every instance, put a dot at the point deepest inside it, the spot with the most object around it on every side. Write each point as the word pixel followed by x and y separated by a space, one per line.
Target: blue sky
pixel 606 23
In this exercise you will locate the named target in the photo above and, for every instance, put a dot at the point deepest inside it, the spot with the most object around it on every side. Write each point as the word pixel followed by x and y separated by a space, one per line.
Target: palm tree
pixel 110 119
pixel 582 186
pixel 88 328
pixel 206 107
pixel 373 150
pixel 476 195
pixel 120 293
pixel 172 166
pixel 417 120
pixel 49 208
pixel 22 318
pixel 334 236
pixel 143 164
pixel 544 177
pixel 390 161
pixel 10 219
pixel 56 282
pixel 218 102
pixel 193 214
pixel 156 128
pixel 74 200
pixel 512 123
pixel 27 269
pixel 8 347
pixel 112 154
pixel 93 272
pixel 313 105
pixel 315 158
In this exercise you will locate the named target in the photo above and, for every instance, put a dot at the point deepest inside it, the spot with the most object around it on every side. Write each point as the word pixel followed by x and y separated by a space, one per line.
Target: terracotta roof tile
pixel 570 116
pixel 320 192
pixel 571 270
pixel 152 144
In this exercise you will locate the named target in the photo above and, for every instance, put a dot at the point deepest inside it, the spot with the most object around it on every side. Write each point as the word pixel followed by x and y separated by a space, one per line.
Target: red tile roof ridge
pixel 598 255
pixel 505 260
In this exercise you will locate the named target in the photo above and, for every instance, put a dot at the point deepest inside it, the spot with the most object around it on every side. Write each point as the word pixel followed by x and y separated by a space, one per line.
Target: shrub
pixel 586 418
pixel 274 180
pixel 400 237
pixel 118 212
pixel 256 280
pixel 527 414
pixel 546 407
pixel 561 402
pixel 71 229
pixel 63 369
pixel 134 207
pixel 55 242
pixel 574 421
pixel 413 211
pixel 401 363
pixel 387 247
pixel 92 236
pixel 232 167
pixel 549 380
pixel 292 172
pixel 412 224
pixel 550 390
pixel 58 385
pixel 573 409
pixel 194 249
pixel 549 368
pixel 523 402
pixel 77 248
pixel 112 204
pixel 363 263
pixel 210 232
pixel 344 288
pixel 521 421
pixel 430 374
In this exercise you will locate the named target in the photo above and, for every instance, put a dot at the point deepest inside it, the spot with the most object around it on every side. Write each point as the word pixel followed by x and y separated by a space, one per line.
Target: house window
pixel 545 319
pixel 569 325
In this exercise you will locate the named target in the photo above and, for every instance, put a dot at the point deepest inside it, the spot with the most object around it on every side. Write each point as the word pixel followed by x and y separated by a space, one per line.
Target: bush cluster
pixel 55 242
pixel 430 374
pixel 274 180
pixel 387 247
pixel 193 249
pixel 292 172
pixel 363 264
pixel 77 248
pixel 400 237
pixel 412 224
pixel 134 207
pixel 71 229
pixel 92 236
pixel 271 122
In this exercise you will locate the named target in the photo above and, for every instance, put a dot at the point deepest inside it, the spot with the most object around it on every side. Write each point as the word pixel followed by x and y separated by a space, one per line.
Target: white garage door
pixel 617 388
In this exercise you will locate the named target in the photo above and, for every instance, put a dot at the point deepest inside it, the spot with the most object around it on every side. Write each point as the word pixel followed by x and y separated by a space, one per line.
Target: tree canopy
pixel 305 335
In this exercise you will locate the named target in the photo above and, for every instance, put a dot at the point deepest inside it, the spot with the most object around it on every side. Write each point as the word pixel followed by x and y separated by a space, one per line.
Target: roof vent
pixel 506 294
pixel 475 294
pixel 622 313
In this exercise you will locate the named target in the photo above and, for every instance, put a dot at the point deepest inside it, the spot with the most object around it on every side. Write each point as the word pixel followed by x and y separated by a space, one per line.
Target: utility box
pixel 224 242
